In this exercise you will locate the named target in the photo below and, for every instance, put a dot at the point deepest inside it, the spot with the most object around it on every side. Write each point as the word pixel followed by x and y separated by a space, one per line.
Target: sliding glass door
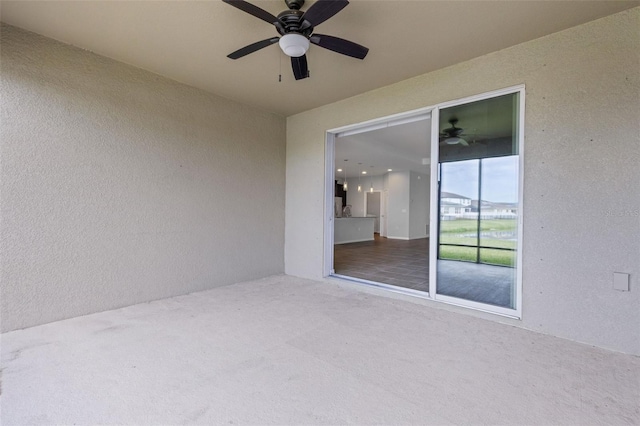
pixel 429 202
pixel 478 202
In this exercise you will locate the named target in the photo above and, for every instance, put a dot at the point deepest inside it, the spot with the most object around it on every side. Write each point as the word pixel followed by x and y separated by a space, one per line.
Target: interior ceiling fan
pixel 452 135
pixel 296 29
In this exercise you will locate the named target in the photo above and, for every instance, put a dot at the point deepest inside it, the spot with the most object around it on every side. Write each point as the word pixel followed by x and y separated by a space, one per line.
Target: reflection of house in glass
pixel 454 206
pixel 491 210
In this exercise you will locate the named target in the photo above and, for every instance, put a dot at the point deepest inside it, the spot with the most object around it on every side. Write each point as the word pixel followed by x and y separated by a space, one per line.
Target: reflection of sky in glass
pixel 499 178
pixel 460 177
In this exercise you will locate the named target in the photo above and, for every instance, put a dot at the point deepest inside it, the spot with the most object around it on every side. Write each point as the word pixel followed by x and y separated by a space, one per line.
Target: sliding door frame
pixel 432 112
pixel 330 137
pixel 516 312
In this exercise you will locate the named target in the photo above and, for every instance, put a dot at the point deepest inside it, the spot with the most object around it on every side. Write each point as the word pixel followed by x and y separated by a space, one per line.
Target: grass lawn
pixel 486 242
pixel 493 257
pixel 452 232
pixel 470 225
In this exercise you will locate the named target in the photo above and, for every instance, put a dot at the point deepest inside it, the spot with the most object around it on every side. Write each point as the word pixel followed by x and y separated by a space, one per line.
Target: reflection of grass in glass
pixel 490 242
pixel 498 257
pixel 451 230
pixel 458 226
pixel 450 239
pixel 454 239
pixel 458 253
pixel 499 225
pixel 471 225
pixel 468 254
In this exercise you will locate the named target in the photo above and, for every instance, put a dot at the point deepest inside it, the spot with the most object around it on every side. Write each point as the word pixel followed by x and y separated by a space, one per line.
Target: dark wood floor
pixel 405 264
pixel 396 262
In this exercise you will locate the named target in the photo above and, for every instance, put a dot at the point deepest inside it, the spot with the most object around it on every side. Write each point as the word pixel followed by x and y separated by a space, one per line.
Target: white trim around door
pixel 432 113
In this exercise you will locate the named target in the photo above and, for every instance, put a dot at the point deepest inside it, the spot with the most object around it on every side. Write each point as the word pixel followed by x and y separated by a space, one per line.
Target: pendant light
pixel 371 187
pixel 359 172
pixel 344 184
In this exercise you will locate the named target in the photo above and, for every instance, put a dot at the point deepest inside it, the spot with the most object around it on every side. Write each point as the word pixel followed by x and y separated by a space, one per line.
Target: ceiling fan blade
pixel 340 45
pixel 253 10
pixel 322 10
pixel 300 69
pixel 252 48
pixel 463 142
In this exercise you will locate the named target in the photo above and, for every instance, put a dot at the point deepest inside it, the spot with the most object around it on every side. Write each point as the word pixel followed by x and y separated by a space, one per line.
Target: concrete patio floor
pixel 284 350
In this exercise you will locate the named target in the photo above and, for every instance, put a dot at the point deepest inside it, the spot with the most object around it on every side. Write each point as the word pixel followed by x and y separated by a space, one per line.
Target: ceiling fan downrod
pixel 294 4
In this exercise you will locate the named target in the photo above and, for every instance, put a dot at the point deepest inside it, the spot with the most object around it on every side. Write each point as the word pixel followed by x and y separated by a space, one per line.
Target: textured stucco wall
pixel 582 174
pixel 120 186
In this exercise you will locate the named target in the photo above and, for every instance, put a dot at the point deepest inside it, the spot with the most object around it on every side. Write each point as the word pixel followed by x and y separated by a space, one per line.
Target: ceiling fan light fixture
pixel 294 45
pixel 452 141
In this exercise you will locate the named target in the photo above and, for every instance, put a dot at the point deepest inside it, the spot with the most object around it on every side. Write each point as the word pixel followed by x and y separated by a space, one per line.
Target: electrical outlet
pixel 620 281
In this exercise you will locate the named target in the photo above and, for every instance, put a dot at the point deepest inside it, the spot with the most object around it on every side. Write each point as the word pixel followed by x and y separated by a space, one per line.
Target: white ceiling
pixel 400 148
pixel 188 40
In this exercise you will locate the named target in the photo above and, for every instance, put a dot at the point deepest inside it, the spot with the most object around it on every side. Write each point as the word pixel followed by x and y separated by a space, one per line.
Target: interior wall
pixel 374 208
pixel 398 205
pixel 355 198
pixel 408 204
pixel 581 175
pixel 418 205
pixel 120 186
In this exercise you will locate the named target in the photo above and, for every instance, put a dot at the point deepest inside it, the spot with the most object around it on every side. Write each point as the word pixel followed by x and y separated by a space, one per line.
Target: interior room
pixel 381 223
pixel 170 200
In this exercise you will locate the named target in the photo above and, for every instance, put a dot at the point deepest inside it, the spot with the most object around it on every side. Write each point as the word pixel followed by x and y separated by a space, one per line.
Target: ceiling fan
pixel 451 135
pixel 296 29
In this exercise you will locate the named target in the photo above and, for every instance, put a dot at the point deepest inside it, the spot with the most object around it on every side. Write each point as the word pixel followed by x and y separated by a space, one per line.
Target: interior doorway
pixel 384 171
pixel 373 208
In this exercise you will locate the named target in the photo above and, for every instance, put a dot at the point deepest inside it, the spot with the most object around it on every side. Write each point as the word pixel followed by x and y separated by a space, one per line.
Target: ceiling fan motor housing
pixel 294 4
pixel 453 130
pixel 291 21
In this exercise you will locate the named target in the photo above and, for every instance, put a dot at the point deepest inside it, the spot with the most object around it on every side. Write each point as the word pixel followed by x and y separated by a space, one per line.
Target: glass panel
pixel 468 254
pixel 478 200
pixel 499 210
pixel 459 182
pixel 498 257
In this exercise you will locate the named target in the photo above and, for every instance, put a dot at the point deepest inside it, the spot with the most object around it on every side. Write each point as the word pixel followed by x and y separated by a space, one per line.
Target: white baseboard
pixel 353 241
pixel 407 238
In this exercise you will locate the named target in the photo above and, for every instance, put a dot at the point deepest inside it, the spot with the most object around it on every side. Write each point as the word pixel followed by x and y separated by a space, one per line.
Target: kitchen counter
pixel 352 229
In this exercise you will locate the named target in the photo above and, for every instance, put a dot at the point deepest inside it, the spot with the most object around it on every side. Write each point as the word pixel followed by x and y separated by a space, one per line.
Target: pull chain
pixel 280 74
